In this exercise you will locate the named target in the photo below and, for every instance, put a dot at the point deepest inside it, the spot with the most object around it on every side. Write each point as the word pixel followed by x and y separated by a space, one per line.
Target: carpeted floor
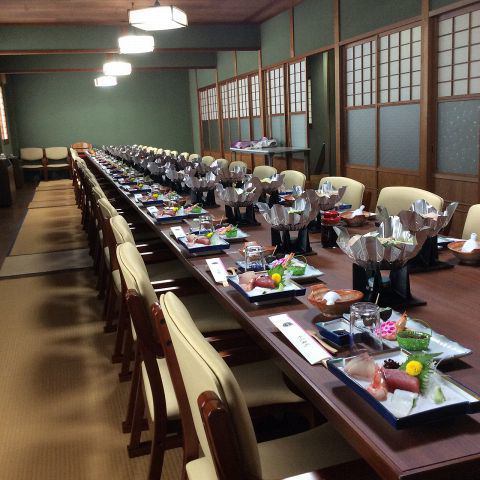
pixel 36 263
pixel 61 402
pixel 50 229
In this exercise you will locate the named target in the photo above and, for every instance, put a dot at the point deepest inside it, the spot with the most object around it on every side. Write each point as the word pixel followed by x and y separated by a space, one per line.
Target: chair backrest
pixel 238 163
pixel 207 160
pixel 472 222
pixel 174 153
pixel 134 273
pixel 396 199
pixel 193 156
pixel 264 171
pixel 56 153
pixel 293 178
pixel 31 154
pixel 353 194
pixel 203 370
pixel 185 155
pixel 121 230
pixel 221 162
pixel 167 152
pixel 107 210
pixel 98 193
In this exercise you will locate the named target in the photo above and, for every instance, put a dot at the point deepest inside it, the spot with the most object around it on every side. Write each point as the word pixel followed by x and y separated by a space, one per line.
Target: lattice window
pixel 212 103
pixel 459 55
pixel 203 105
pixel 400 63
pixel 232 99
pixel 224 100
pixel 243 97
pixel 3 118
pixel 255 92
pixel 298 87
pixel 275 91
pixel 361 74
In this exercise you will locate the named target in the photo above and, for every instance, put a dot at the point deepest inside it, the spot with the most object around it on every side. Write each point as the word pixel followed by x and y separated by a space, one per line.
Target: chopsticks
pixel 324 344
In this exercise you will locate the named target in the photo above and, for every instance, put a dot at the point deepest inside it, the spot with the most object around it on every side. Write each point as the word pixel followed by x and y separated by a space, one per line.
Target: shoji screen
pixel 458 109
pixel 275 101
pixel 297 88
pixel 208 103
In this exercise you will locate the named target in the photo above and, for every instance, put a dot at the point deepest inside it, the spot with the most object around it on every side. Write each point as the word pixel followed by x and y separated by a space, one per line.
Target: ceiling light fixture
pixel 105 81
pixel 132 43
pixel 117 68
pixel 158 17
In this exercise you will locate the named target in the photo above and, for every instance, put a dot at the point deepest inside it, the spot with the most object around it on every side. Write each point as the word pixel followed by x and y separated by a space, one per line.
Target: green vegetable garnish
pixel 426 359
pixel 438 396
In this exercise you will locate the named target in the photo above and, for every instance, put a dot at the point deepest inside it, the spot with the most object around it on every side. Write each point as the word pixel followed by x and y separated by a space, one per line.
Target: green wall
pixel 434 4
pixel 225 65
pixel 150 108
pixel 361 16
pixel 275 36
pixel 206 77
pixel 247 61
pixel 313 25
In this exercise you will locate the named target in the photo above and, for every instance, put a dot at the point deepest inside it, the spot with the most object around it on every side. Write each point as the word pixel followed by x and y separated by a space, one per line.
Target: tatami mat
pixel 61 402
pixel 50 230
pixel 45 262
pixel 54 194
pixel 52 203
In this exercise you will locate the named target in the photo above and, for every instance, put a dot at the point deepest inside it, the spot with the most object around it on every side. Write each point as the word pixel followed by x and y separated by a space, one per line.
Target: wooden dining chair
pixel 223 424
pixel 238 164
pixel 353 194
pixel 396 199
pixel 221 162
pixel 472 222
pixel 193 157
pixel 293 178
pixel 33 159
pixel 57 158
pixel 264 171
pixel 207 160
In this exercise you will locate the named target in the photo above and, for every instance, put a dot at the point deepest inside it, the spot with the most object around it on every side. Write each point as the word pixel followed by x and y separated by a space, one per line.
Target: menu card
pixel 300 339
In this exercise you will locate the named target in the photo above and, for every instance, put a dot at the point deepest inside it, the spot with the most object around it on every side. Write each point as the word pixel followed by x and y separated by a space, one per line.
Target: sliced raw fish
pixel 399 379
pixel 361 367
pixel 378 388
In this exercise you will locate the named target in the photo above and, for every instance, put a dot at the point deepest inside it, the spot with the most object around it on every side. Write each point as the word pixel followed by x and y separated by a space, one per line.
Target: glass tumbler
pixel 254 258
pixel 364 325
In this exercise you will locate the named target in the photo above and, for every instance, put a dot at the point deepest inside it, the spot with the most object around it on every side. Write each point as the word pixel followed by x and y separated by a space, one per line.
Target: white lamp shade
pixel 105 81
pixel 165 17
pixel 117 68
pixel 136 43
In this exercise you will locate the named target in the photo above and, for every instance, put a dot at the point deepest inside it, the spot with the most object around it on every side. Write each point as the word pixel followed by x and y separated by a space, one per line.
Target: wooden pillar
pixel 338 90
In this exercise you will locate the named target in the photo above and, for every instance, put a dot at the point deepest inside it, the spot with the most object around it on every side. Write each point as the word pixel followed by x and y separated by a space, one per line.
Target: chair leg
pixel 159 446
pixel 128 352
pixel 136 379
pixel 136 447
pixel 111 302
pixel 117 356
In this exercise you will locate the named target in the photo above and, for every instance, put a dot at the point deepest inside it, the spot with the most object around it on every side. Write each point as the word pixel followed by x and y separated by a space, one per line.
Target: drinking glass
pixel 364 324
pixel 206 223
pixel 254 258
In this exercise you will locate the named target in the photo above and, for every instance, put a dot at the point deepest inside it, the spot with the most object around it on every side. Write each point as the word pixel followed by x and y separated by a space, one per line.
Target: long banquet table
pixel 442 450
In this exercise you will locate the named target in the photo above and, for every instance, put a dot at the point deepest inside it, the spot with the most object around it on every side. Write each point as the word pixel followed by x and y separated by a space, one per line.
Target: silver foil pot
pixel 208 182
pixel 390 246
pixel 422 215
pixel 240 197
pixel 273 183
pixel 235 175
pixel 329 196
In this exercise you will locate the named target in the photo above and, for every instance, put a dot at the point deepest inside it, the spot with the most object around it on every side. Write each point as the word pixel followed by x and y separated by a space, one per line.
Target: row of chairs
pixel 45 160
pixel 195 372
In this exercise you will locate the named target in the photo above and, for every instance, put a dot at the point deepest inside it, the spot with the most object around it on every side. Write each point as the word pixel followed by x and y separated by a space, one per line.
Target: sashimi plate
pixel 459 400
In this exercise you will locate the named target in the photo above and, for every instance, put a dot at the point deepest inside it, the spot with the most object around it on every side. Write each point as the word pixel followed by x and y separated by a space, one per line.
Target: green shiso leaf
pixel 426 359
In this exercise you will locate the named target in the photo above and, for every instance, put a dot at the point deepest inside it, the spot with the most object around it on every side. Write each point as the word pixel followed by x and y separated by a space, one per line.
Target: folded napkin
pixel 471 244
pixel 358 212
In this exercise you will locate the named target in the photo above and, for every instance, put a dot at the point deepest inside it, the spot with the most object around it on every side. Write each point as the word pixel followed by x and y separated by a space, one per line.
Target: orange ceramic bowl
pixel 469 258
pixel 341 306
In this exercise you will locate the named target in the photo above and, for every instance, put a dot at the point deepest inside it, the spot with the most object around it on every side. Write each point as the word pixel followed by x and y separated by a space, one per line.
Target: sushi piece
pixel 361 367
pixel 401 380
pixel 402 402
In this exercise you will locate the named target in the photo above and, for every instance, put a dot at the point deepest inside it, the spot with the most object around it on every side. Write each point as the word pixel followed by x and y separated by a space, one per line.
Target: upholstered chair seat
pixel 207 160
pixel 293 178
pixel 221 162
pixel 203 370
pixel 264 171
pixel 472 222
pixel 396 199
pixel 353 194
pixel 236 164
pixel 32 158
